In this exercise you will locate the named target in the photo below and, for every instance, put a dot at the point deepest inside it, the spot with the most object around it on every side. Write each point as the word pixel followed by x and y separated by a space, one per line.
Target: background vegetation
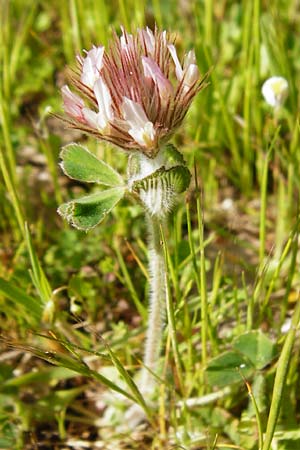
pixel 72 304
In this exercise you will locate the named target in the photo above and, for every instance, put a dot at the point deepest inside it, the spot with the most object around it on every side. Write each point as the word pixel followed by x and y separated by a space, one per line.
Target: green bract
pixel 172 156
pixel 159 190
pixel 176 180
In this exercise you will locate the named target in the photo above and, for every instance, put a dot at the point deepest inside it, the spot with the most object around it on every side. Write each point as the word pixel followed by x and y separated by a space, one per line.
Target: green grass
pixel 73 305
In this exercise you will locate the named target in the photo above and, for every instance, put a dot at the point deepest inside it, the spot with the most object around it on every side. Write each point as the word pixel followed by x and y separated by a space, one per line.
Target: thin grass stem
pixel 123 14
pixel 280 378
pixel 208 25
pixel 138 304
pixel 13 193
pixel 157 12
pixel 263 210
pixel 171 317
pixel 203 289
pixel 77 43
pixel 257 415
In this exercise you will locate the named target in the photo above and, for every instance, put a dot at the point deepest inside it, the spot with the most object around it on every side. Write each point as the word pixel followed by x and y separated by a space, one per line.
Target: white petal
pixel 189 59
pixel 126 40
pixel 95 120
pixel 148 38
pixel 144 136
pixel 133 113
pixel 104 99
pixel 152 70
pixel 191 75
pixel 73 104
pixel 149 130
pixel 140 127
pixel 92 64
pixel 91 117
pixel 178 68
pixel 275 91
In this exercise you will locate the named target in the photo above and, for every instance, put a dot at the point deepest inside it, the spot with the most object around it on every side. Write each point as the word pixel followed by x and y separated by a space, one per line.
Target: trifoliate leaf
pixel 86 212
pixel 80 164
pixel 258 348
pixel 228 368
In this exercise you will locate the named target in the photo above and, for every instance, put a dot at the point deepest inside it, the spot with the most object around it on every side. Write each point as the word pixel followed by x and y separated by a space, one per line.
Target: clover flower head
pixel 133 94
pixel 275 91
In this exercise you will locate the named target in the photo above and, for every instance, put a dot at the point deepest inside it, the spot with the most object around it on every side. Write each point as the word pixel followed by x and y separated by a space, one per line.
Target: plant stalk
pixel 281 378
pixel 157 270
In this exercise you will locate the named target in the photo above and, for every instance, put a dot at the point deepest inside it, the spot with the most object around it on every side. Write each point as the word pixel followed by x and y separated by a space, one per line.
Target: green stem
pixel 171 318
pixel 263 211
pixel 75 25
pixel 203 289
pixel 13 193
pixel 208 8
pixel 281 379
pixel 157 269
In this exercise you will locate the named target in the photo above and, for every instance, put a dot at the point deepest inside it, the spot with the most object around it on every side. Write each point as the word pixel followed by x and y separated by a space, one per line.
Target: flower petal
pixel 148 39
pixel 144 136
pixel 275 91
pixel 178 68
pixel 104 100
pixel 93 119
pixel 73 104
pixel 126 40
pixel 152 70
pixel 190 58
pixel 92 66
pixel 133 113
pixel 191 75
pixel 141 129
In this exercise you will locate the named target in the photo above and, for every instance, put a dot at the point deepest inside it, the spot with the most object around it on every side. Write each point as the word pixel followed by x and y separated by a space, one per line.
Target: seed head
pixel 134 94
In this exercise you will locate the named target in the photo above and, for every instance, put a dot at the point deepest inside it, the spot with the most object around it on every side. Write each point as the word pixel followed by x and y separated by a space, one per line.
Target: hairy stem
pixel 157 296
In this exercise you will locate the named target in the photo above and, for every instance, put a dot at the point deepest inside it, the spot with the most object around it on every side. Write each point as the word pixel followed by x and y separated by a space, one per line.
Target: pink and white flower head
pixel 135 94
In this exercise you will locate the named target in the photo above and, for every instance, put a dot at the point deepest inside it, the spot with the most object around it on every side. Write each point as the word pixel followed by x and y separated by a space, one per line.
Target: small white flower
pixel 275 91
pixel 286 326
pixel 227 204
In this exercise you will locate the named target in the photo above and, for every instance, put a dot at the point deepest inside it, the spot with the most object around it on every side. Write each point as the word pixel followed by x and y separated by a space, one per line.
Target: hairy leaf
pixel 86 212
pixel 80 164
